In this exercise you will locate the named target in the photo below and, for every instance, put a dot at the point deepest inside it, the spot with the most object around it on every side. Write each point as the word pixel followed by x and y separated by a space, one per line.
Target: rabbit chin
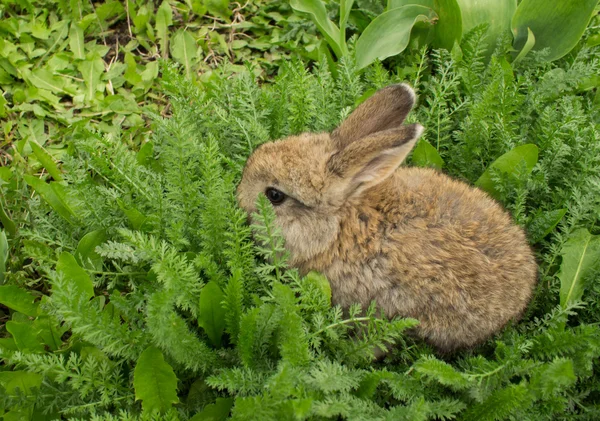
pixel 307 237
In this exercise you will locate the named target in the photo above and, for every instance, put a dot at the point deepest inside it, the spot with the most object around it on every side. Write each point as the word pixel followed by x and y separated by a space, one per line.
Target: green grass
pixel 117 253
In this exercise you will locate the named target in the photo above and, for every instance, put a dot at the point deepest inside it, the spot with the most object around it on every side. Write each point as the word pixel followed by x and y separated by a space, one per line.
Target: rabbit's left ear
pixel 385 109
pixel 370 160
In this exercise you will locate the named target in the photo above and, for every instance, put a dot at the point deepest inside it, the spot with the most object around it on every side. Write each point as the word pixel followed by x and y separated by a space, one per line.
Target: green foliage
pixel 442 23
pixel 580 255
pixel 568 19
pixel 135 289
pixel 154 381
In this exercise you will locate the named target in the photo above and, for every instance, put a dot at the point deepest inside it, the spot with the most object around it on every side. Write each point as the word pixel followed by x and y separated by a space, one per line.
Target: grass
pixel 121 231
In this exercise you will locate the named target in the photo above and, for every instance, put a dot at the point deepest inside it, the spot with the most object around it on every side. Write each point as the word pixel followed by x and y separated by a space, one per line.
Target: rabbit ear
pixel 371 160
pixel 384 110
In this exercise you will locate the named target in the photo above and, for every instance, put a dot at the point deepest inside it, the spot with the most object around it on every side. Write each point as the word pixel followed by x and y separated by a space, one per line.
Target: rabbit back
pixel 426 246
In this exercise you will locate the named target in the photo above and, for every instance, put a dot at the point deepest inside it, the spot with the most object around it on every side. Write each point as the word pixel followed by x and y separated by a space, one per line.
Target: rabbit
pixel 417 242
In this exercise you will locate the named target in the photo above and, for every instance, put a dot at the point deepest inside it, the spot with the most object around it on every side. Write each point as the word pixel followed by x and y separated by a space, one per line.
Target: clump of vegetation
pixel 133 288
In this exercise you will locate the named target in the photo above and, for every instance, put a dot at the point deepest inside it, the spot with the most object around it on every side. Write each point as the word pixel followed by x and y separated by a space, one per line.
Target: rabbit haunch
pixel 417 242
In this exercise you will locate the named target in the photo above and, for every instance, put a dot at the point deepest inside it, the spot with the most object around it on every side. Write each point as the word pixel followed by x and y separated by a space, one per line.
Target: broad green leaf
pixel 76 41
pixel 86 250
pixel 91 69
pixel 23 380
pixel 508 164
pixel 388 34
pixel 496 13
pixel 8 344
pixel 580 254
pixel 46 160
pixel 73 273
pixel 131 74
pixel 49 331
pixel 18 299
pixel 557 26
pixel 164 19
pixel 183 49
pixel 544 223
pixel 141 19
pixel 42 78
pixel 316 9
pixel 426 155
pixel 7 223
pixel 154 381
pixel 136 218
pixel 218 8
pixel 212 314
pixel 109 9
pixel 3 257
pixel 527 47
pixel 25 336
pixel 345 8
pixel 448 29
pixel 146 153
pixel 54 194
pixel 3 101
pixel 218 411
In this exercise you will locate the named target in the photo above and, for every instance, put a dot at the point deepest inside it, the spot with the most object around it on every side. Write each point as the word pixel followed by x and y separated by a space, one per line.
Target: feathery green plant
pixel 141 259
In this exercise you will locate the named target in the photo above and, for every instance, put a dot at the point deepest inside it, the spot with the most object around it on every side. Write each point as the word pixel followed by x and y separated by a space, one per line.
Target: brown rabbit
pixel 417 242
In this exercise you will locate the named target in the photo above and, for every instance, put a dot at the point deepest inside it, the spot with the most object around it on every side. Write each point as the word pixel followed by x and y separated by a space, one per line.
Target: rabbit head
pixel 308 178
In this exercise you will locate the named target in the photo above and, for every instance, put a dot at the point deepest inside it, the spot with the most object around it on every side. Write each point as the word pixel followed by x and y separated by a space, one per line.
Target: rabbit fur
pixel 416 241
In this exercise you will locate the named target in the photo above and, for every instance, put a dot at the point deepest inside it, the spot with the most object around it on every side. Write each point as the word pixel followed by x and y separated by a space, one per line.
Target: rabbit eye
pixel 275 196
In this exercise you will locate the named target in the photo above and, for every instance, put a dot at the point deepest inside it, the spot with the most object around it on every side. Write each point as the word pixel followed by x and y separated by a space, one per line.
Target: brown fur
pixel 417 242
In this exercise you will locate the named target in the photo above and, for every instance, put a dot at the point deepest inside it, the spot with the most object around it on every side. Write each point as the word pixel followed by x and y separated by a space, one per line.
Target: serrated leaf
pixel 54 194
pixel 218 411
pixel 318 13
pixel 426 155
pixel 442 372
pixel 86 250
pixel 25 336
pixel 319 281
pixel 18 299
pixel 212 314
pixel 67 266
pixel 557 28
pixel 580 254
pixel 154 381
pixel 389 33
pixel 553 377
pixel 500 404
pixel 508 164
pixel 183 49
pixel 76 41
pixel 544 223
pixel 46 160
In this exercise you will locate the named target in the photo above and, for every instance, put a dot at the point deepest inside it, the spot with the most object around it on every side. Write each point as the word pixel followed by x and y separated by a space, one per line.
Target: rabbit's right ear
pixel 385 109
pixel 370 160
